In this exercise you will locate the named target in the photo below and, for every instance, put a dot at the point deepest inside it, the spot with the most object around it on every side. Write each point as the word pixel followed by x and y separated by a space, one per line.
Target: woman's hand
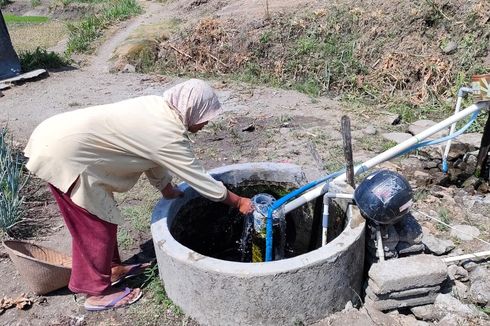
pixel 245 205
pixel 171 192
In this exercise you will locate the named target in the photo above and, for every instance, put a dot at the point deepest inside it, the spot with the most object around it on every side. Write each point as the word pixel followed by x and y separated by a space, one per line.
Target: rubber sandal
pixel 113 303
pixel 134 271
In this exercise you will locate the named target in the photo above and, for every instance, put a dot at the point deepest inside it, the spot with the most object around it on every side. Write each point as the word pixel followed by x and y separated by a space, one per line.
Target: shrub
pixel 12 180
pixel 41 59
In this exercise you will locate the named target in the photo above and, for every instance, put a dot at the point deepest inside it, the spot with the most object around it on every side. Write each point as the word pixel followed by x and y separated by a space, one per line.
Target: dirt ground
pixel 260 124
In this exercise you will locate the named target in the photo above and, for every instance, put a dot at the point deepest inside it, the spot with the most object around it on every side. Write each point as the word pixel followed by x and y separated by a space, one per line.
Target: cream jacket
pixel 106 148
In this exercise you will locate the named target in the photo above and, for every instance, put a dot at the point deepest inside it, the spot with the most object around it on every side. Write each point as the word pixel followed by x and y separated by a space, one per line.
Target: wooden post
pixel 481 164
pixel 347 138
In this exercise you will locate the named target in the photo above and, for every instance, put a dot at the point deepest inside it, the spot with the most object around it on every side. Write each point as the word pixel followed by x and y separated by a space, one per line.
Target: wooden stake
pixel 481 165
pixel 346 136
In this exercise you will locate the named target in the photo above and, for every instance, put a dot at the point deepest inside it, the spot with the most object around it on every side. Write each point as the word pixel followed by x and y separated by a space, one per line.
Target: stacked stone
pixel 405 282
pixel 401 239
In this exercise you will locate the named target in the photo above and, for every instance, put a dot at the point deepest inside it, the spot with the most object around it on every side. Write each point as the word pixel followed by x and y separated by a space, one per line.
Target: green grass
pixel 41 59
pixel 13 19
pixel 124 239
pixel 84 33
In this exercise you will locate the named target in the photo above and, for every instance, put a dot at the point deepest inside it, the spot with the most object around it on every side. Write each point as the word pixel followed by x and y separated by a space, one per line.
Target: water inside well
pixel 215 230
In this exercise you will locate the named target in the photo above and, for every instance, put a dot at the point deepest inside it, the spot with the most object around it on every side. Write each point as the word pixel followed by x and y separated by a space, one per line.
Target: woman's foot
pixel 121 272
pixel 115 298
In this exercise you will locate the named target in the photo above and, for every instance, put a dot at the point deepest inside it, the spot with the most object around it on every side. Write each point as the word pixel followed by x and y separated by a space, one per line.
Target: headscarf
pixel 194 101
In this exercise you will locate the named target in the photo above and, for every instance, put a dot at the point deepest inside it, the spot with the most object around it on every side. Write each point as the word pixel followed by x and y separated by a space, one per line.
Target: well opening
pixel 215 230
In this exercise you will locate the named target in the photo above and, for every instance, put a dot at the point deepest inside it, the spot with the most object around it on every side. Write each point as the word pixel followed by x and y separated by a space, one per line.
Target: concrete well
pixel 310 285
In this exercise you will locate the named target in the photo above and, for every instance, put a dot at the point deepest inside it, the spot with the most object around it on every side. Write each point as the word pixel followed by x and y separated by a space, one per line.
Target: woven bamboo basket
pixel 43 269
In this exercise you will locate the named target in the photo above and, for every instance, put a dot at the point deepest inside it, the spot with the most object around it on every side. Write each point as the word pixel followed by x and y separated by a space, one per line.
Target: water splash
pixel 252 242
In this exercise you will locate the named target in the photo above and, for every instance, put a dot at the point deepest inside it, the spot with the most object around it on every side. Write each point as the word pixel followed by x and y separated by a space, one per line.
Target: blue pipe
pixel 281 201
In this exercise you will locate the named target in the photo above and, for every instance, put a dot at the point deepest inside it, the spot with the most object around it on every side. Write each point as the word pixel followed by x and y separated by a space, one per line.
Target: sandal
pixel 115 301
pixel 135 270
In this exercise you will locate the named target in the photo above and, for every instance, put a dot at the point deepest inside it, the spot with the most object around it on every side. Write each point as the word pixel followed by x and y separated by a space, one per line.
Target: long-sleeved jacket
pixel 106 148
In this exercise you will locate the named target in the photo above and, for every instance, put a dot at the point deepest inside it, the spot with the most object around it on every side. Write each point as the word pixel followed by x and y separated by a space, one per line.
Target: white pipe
pixel 481 254
pixel 379 239
pixel 392 152
pixel 325 216
pixel 453 127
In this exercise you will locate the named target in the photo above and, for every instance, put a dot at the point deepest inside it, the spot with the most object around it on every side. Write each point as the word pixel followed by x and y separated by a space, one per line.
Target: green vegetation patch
pixel 12 180
pixel 410 62
pixel 41 59
pixel 13 19
pixel 82 34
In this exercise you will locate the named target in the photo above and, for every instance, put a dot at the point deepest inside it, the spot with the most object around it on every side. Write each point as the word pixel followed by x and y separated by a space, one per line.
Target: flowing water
pixel 253 240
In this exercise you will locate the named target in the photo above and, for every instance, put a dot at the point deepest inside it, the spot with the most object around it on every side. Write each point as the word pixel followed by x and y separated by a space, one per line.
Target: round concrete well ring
pixel 305 288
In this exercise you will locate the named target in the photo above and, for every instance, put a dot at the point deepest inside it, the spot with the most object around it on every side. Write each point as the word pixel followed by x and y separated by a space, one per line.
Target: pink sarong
pixel 94 246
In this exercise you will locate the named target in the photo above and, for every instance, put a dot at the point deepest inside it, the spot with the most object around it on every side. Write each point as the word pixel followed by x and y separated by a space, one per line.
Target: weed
pixel 216 126
pixel 387 144
pixel 157 291
pixel 12 180
pixel 124 239
pixel 13 19
pixel 284 118
pixel 35 3
pixel 139 216
pixel 84 33
pixel 420 194
pixel 443 215
pixel 40 58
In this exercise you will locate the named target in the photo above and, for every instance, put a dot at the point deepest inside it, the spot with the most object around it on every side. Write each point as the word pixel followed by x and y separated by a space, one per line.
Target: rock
pixel 425 312
pixel 409 230
pixel 348 306
pixel 450 48
pixel 431 164
pixel 437 246
pixel 407 302
pixel 471 183
pixel 452 320
pixel 456 272
pixel 284 131
pixel 446 303
pixel 397 137
pixel 465 232
pixel 370 130
pixel 460 290
pixel 372 289
pixel 411 163
pixel 405 248
pixel 408 273
pixel 129 68
pixel 418 126
pixel 479 273
pixel 473 139
pixel 470 265
pixel 479 292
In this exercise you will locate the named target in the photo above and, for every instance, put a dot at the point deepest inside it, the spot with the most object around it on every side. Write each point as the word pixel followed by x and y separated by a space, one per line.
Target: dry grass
pixel 26 37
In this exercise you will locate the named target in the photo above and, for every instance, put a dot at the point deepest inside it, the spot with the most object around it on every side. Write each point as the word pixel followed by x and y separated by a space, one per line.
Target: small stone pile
pixel 405 282
pixel 401 239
